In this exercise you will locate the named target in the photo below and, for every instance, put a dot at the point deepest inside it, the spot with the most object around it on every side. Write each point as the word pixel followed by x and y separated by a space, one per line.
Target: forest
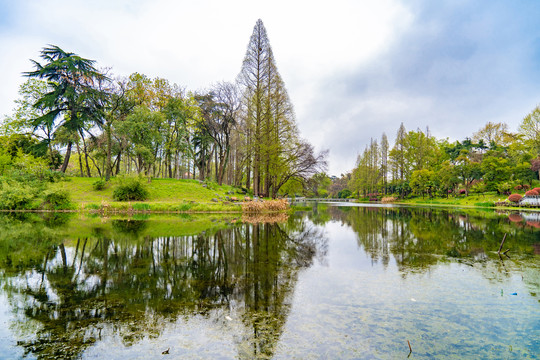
pixel 75 118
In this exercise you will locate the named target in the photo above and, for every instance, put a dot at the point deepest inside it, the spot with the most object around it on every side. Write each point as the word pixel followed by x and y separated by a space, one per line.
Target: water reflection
pixel 417 237
pixel 74 283
pixel 66 294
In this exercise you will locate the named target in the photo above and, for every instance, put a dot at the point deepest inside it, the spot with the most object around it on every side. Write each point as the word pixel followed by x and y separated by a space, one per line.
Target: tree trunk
pixel 85 155
pixel 66 158
pixel 118 160
pixel 80 158
pixel 108 166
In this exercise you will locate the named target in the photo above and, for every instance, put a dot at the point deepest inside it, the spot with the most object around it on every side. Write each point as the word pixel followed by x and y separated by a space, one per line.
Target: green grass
pixel 486 200
pixel 166 195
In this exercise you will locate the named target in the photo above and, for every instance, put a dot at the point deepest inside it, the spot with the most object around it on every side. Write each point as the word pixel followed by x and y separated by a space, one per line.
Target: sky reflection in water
pixel 347 282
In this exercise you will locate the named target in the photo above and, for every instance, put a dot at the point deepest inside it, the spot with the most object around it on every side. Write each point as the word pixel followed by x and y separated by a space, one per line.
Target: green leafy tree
pixel 467 171
pixel 446 178
pixel 530 129
pixel 495 171
pixel 141 128
pixel 422 181
pixel 71 96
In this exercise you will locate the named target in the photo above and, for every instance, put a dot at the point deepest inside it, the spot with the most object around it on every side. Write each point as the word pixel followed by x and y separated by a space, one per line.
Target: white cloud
pixel 353 68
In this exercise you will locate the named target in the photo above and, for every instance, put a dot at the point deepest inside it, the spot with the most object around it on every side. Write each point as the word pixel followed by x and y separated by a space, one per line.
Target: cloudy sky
pixel 354 69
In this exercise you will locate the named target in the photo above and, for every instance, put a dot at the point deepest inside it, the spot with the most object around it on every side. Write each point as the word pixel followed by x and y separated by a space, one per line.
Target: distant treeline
pixel 492 159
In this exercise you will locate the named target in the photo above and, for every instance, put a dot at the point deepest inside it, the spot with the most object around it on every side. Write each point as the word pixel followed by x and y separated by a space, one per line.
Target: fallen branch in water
pixel 410 348
pixel 502 243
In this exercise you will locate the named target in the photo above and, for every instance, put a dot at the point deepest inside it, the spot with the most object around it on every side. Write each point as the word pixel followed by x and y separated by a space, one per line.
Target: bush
pixel 16 196
pixel 52 176
pixel 131 189
pixel 209 184
pixel 531 193
pixel 57 199
pixel 515 198
pixel 264 206
pixel 537 189
pixel 99 185
pixel 504 188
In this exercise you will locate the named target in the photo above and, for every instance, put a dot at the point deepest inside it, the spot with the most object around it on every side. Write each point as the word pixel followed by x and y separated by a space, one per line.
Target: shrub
pixel 56 199
pixel 537 189
pixel 131 189
pixel 462 191
pixel 16 196
pixel 263 206
pixel 504 188
pixel 99 185
pixel 388 199
pixel 518 187
pixel 515 198
pixel 209 184
pixel 479 187
pixel 52 176
pixel 527 187
pixel 531 193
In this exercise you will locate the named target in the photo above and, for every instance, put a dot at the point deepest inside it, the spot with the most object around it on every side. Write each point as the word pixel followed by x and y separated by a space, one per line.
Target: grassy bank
pixel 487 200
pixel 165 195
pixel 477 200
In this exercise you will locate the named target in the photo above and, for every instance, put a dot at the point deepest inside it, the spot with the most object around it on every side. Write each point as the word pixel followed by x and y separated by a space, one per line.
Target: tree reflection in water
pixel 68 297
pixel 123 279
pixel 417 237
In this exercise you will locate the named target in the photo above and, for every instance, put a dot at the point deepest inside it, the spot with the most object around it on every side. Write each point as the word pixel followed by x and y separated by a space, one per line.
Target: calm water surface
pixel 337 282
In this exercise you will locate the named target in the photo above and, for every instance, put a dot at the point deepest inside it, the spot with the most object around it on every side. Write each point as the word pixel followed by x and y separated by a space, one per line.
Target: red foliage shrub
pixel 462 191
pixel 518 187
pixel 537 189
pixel 515 198
pixel 527 187
pixel 531 192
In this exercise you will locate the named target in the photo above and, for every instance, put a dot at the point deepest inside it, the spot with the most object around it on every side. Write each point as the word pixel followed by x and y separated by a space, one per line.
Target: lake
pixel 333 282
